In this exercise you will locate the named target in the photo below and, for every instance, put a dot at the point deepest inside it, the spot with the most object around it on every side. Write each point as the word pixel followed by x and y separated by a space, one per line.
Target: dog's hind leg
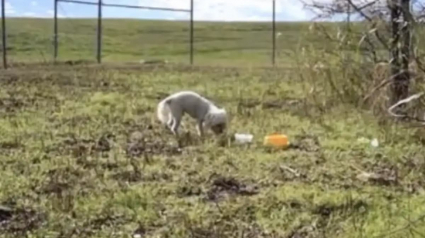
pixel 169 124
pixel 174 129
pixel 176 124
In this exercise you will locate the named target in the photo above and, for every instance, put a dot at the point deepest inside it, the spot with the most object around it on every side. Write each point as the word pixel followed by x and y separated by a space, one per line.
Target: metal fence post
pixel 99 32
pixel 100 4
pixel 3 23
pixel 274 34
pixel 191 31
pixel 55 31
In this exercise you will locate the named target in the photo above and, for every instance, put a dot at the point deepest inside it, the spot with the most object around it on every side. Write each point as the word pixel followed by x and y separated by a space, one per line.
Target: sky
pixel 205 10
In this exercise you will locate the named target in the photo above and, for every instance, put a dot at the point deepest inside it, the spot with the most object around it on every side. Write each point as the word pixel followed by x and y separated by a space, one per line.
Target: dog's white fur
pixel 171 110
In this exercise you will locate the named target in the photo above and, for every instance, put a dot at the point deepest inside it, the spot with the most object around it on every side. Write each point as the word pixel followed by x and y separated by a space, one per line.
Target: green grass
pixel 57 162
pixel 83 155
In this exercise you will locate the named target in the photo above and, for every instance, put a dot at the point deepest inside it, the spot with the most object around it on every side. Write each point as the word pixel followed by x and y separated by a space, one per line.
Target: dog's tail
pixel 163 112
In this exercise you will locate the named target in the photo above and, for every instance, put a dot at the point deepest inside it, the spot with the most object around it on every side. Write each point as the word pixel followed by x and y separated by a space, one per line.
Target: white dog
pixel 171 109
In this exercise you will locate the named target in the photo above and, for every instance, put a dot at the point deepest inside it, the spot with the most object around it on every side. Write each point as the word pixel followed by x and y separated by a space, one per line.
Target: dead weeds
pixel 379 173
pixel 306 142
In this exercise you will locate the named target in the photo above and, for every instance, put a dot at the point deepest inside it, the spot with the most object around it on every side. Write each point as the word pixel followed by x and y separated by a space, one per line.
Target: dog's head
pixel 216 120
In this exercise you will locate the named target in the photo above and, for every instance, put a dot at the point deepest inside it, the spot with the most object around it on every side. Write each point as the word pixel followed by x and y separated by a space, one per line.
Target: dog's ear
pixel 168 102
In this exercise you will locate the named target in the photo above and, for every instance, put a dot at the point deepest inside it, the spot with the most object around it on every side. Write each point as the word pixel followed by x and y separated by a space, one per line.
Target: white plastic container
pixel 243 138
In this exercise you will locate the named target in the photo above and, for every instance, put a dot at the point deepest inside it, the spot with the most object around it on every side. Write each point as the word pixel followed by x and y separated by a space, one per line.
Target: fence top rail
pixel 126 6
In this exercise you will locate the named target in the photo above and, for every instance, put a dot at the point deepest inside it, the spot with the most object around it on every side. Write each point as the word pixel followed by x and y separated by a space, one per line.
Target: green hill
pixel 133 40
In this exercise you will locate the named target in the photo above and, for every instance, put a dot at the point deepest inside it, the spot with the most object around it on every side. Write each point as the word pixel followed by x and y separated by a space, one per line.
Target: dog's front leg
pixel 199 128
pixel 177 137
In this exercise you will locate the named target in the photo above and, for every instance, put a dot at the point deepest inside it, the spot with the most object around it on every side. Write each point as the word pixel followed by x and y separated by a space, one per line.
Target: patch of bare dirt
pixel 225 227
pixel 11 145
pixel 281 103
pixel 224 186
pixel 5 213
pixel 135 174
pixel 59 181
pixel 128 176
pixel 249 103
pixel 306 231
pixel 77 62
pixel 19 222
pixel 188 191
pixel 81 147
pixel 140 145
pixel 325 213
pixel 140 231
pixel 92 226
pixel 11 104
pixel 158 96
pixel 348 208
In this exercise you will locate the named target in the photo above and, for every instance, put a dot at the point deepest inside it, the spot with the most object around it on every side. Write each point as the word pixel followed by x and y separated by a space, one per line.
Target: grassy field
pixel 133 40
pixel 82 154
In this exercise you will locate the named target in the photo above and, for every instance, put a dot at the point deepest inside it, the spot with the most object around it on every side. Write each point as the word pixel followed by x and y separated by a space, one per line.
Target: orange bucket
pixel 276 140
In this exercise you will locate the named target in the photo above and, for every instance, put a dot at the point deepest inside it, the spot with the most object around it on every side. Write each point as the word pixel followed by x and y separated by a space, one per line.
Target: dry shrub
pixel 349 69
pixel 379 93
pixel 343 77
